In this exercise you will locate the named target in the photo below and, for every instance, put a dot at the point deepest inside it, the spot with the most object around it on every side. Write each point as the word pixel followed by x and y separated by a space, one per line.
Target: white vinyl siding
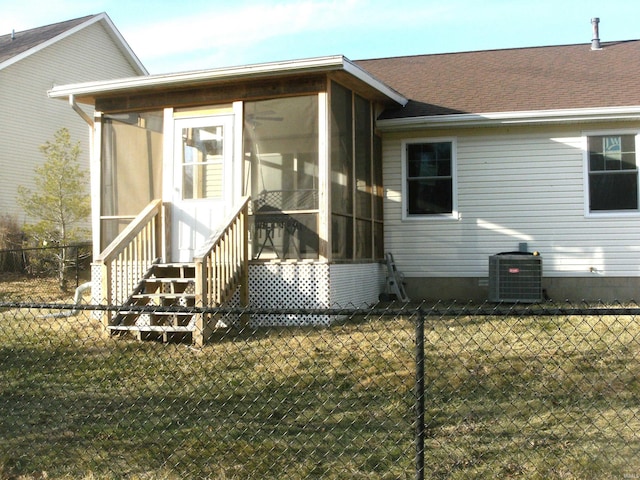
pixel 28 118
pixel 514 186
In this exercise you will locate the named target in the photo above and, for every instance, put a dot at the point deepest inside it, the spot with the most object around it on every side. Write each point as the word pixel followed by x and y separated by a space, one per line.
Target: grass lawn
pixel 539 397
pixel 274 404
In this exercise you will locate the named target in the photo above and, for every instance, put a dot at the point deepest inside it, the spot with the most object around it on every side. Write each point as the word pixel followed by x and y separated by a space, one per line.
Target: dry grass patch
pixel 20 288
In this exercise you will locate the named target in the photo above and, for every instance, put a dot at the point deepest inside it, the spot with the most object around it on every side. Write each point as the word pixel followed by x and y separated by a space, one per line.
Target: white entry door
pixel 202 181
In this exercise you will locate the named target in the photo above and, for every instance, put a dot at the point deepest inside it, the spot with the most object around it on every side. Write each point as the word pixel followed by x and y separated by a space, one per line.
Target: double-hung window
pixel 613 173
pixel 429 167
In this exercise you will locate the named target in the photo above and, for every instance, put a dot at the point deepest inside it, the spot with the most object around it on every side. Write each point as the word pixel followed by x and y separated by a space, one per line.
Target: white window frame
pixel 585 161
pixel 454 215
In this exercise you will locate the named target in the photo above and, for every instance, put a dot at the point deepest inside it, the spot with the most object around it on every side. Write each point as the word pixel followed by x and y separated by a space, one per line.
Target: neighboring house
pixel 443 160
pixel 32 62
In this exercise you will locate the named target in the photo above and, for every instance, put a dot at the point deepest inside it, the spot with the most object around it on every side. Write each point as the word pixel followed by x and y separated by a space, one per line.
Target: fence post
pixel 419 394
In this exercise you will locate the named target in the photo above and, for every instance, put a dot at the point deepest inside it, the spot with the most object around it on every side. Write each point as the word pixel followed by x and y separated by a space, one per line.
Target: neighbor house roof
pixel 15 46
pixel 513 80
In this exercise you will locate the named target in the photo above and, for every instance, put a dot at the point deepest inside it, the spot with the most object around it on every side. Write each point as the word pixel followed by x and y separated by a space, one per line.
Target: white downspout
pixel 95 228
pixel 79 111
pixel 77 300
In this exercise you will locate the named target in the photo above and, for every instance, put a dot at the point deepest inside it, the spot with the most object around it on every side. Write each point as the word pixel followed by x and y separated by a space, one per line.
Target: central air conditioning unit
pixel 515 277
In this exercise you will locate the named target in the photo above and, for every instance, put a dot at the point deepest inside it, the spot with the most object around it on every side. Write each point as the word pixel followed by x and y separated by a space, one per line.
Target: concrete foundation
pixel 607 289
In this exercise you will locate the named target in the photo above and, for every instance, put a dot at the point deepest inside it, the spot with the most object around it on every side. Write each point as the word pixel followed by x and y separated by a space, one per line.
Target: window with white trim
pixel 429 168
pixel 613 173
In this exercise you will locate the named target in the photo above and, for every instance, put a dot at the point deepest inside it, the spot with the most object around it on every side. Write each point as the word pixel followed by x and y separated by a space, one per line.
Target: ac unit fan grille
pixel 515 278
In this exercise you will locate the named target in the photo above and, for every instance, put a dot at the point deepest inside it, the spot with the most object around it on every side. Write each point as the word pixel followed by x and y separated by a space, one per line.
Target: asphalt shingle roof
pixel 523 79
pixel 29 39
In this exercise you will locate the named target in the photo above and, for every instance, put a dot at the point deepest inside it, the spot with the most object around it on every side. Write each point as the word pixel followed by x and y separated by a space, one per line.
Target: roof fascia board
pixel 193 78
pixel 102 17
pixel 370 80
pixel 511 118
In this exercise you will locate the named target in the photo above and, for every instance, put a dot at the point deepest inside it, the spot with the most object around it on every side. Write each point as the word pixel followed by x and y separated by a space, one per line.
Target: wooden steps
pixel 165 285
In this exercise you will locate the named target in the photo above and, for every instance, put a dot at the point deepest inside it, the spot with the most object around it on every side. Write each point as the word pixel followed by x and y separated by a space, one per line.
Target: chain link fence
pixel 389 392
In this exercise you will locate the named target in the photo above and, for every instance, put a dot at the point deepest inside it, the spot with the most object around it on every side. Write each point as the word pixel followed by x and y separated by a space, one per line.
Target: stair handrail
pixel 222 264
pixel 130 255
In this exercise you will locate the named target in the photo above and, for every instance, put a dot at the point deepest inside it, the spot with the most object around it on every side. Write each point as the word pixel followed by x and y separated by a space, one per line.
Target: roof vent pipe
pixel 595 39
pixel 13 34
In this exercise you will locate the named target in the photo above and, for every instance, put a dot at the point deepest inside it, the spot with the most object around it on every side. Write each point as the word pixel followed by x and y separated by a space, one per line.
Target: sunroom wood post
pixel 164 232
pixel 95 169
pixel 324 178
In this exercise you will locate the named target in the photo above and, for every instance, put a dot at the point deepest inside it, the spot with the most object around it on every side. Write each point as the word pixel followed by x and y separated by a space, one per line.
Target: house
pixel 33 61
pixel 534 147
pixel 284 184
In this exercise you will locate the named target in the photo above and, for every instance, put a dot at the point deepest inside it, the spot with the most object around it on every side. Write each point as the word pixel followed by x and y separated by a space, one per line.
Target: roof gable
pixel 18 45
pixel 513 80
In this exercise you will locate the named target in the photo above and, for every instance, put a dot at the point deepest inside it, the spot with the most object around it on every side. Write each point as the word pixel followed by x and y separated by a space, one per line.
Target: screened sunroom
pixel 309 203
pixel 292 146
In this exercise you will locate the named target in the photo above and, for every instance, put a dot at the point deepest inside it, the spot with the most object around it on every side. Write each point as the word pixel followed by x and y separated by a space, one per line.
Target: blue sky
pixel 172 36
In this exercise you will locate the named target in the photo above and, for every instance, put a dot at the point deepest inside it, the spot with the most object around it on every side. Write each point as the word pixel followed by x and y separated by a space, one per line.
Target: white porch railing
pixel 130 255
pixel 222 267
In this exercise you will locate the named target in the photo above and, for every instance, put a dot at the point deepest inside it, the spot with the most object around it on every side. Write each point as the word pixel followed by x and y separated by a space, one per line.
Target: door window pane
pixel 202 162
